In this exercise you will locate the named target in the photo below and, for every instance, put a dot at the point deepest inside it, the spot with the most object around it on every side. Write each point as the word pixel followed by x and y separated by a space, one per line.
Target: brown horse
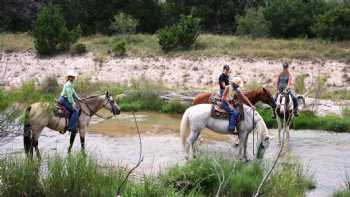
pixel 262 94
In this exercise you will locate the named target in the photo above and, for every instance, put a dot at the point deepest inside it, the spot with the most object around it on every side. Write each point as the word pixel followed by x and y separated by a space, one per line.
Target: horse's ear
pixel 107 94
pixel 264 89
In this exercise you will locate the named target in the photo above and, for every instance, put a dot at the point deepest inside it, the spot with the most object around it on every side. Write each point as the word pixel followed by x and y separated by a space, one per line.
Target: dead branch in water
pixel 138 163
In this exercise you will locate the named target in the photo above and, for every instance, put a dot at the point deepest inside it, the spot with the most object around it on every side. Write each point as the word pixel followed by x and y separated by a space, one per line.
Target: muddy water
pixel 325 154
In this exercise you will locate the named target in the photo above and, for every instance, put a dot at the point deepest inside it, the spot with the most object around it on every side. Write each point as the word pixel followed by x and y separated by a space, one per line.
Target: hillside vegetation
pixel 206 45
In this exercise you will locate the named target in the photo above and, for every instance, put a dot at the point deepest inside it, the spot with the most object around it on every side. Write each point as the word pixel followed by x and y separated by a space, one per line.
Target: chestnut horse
pixel 262 94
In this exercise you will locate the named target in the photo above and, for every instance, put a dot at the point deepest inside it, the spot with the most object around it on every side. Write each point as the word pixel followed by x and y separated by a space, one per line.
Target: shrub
pixel 50 85
pixel 124 24
pixel 119 48
pixel 79 49
pixel 187 31
pixel 299 84
pixel 167 38
pixel 4 100
pixel 51 34
pixel 253 23
pixel 184 34
pixel 334 24
pixel 173 107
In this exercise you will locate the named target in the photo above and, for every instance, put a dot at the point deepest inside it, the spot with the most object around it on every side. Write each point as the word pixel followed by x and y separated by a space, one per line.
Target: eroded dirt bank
pixel 200 72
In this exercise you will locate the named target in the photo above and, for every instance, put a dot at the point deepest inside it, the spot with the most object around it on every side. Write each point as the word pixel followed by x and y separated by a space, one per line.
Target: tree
pixel 334 24
pixel 51 34
pixel 253 23
pixel 124 24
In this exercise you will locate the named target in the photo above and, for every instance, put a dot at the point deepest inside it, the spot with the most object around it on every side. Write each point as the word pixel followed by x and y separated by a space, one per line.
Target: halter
pixel 94 112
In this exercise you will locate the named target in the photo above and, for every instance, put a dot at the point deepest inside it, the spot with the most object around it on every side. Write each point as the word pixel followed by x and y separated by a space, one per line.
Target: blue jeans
pixel 73 120
pixel 221 92
pixel 232 115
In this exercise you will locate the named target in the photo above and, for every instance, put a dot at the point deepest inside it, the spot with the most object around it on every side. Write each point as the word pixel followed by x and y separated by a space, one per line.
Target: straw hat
pixel 238 81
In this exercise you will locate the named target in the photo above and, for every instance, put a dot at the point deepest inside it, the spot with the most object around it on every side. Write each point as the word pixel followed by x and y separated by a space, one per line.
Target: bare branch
pixel 138 163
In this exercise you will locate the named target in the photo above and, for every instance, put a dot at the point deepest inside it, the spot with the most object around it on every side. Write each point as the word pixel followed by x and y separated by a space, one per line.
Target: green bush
pixel 173 107
pixel 119 48
pixel 51 34
pixel 184 34
pixel 167 38
pixel 188 30
pixel 78 49
pixel 4 100
pixel 124 24
pixel 334 24
pixel 253 23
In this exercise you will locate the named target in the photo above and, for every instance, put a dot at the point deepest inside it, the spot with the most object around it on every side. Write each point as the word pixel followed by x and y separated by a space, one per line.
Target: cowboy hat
pixel 238 81
pixel 71 73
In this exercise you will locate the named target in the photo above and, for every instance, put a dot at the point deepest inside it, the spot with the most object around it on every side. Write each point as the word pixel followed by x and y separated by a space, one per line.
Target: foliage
pixel 308 120
pixel 293 18
pixel 4 100
pixel 168 38
pixel 345 192
pixel 334 24
pixel 119 48
pixel 289 180
pixel 299 84
pixel 84 175
pixel 78 49
pixel 253 23
pixel 124 24
pixel 174 107
pixel 187 31
pixel 184 34
pixel 49 85
pixel 51 34
pixel 20 177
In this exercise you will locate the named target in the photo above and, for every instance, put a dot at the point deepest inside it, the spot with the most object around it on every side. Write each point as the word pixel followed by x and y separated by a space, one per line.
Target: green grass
pixel 345 192
pixel 207 45
pixel 308 120
pixel 84 175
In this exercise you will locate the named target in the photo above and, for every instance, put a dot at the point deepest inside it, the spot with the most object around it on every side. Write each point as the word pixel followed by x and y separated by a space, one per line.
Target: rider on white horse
pixel 229 94
pixel 283 82
pixel 67 98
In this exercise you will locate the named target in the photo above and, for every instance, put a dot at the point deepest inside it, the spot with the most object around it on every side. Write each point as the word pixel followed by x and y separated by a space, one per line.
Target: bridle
pixel 92 112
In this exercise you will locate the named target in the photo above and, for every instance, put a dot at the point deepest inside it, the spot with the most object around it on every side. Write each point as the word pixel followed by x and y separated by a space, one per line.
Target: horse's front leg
pixel 82 139
pixel 191 144
pixel 279 128
pixel 71 141
pixel 243 147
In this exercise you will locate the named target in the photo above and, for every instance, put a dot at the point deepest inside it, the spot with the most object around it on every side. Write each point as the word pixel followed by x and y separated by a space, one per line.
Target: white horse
pixel 199 117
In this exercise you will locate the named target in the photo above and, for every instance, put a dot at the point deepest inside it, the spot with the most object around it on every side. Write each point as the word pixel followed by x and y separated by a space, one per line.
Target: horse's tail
pixel 27 129
pixel 184 130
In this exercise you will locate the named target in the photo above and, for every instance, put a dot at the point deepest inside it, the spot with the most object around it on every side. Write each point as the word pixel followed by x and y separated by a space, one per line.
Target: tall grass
pixel 83 175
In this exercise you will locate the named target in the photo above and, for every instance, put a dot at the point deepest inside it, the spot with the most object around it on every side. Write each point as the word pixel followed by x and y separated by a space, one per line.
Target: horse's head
pixel 263 141
pixel 111 104
pixel 284 102
pixel 267 98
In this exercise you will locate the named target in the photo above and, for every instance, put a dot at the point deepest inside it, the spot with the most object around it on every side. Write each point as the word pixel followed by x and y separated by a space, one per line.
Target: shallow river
pixel 325 154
